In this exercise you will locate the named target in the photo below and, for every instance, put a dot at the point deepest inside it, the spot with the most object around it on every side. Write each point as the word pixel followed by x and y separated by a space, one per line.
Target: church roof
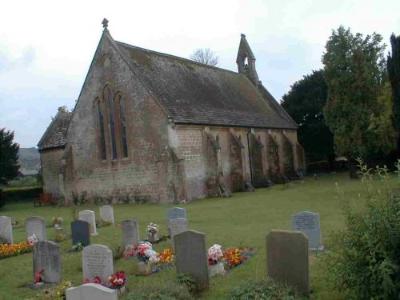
pixel 195 93
pixel 55 134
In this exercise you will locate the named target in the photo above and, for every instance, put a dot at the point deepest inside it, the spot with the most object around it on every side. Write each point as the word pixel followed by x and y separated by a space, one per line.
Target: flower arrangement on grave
pixel 8 250
pixel 215 263
pixel 38 277
pixel 166 256
pixel 235 256
pixel 57 222
pixel 59 234
pixel 146 256
pixel 152 232
pixel 77 247
pixel 117 280
pixel 32 240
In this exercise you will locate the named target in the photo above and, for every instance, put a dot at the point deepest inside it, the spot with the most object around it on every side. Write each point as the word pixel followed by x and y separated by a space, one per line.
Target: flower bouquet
pixel 57 222
pixel 215 263
pixel 147 257
pixel 152 233
pixel 32 240
pixel 236 256
pixel 117 281
pixel 95 279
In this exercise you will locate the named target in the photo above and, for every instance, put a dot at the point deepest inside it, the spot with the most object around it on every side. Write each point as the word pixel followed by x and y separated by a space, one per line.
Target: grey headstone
pixel 191 256
pixel 90 217
pixel 308 223
pixel 80 231
pixel 91 291
pixel 130 232
pixel 46 257
pixel 287 259
pixel 177 226
pixel 107 213
pixel 6 229
pixel 176 212
pixel 37 226
pixel 97 260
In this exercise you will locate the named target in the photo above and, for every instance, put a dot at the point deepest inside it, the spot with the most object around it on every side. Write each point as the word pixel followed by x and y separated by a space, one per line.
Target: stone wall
pixel 51 165
pixel 86 174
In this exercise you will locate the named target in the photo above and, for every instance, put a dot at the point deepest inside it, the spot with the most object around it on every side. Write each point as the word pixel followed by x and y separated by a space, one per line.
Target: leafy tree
pixel 305 102
pixel 8 156
pixel 205 56
pixel 355 76
pixel 393 67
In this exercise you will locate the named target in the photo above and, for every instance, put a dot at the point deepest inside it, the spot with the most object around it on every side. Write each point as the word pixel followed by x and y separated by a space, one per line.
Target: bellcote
pixel 246 60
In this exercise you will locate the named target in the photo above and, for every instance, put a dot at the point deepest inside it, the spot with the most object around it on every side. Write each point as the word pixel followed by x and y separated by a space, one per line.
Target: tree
pixel 205 56
pixel 393 67
pixel 304 103
pixel 8 156
pixel 354 68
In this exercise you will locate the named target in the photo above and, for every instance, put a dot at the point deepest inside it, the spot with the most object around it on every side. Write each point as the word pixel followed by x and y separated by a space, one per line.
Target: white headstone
pixel 97 260
pixel 308 223
pixel 36 226
pixel 107 213
pixel 6 229
pixel 90 217
pixel 46 259
pixel 91 291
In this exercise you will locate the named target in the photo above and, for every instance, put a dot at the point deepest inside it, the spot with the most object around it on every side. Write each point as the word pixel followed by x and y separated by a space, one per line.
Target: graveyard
pixel 242 220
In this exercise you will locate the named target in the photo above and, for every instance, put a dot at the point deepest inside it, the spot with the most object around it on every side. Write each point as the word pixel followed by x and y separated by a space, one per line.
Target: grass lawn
pixel 242 220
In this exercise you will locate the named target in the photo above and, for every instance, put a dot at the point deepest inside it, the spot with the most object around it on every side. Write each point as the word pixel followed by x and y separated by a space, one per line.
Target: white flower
pixel 215 252
pixel 32 240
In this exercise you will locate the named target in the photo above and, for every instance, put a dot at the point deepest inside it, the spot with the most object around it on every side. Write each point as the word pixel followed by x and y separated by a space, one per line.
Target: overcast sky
pixel 46 46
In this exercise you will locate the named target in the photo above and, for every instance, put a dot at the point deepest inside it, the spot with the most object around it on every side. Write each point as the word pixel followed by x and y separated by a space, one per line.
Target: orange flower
pixel 233 257
pixel 7 250
pixel 166 256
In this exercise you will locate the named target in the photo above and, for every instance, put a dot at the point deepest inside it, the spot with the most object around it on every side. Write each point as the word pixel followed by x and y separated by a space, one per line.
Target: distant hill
pixel 29 160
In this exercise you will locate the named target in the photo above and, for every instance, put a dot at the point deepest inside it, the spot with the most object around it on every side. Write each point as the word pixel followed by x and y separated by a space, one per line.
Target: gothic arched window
pixel 108 99
pixel 119 102
pixel 102 138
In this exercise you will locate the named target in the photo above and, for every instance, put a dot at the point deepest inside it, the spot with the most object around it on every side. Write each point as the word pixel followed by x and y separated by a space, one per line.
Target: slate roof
pixel 194 93
pixel 55 135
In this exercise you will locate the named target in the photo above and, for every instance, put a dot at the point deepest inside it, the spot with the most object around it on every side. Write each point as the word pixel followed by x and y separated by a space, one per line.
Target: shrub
pixel 262 289
pixel 21 193
pixel 364 261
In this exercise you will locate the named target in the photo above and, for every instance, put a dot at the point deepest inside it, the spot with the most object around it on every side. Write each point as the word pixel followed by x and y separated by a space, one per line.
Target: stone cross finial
pixel 105 23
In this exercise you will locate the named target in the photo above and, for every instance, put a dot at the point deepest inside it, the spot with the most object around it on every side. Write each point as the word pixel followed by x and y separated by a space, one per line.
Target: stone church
pixel 154 127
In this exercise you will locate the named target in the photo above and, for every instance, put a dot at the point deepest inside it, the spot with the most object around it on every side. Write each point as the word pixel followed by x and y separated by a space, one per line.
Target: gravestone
pixel 287 259
pixel 97 260
pixel 90 217
pixel 177 226
pixel 308 223
pixel 107 214
pixel 130 232
pixel 91 291
pixel 80 231
pixel 6 233
pixel 46 257
pixel 37 226
pixel 176 212
pixel 191 256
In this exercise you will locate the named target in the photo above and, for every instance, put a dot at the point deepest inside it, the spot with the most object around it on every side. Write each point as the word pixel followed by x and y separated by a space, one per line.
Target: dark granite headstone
pixel 80 231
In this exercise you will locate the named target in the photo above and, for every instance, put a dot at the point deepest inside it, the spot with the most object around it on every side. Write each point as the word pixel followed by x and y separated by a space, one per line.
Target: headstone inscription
pixel 309 223
pixel 97 260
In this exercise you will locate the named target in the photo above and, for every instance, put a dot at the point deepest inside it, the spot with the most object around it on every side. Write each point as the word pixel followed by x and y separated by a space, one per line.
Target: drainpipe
pixel 249 154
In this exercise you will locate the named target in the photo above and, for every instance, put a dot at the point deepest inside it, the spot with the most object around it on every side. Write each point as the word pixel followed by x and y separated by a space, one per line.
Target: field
pixel 242 220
